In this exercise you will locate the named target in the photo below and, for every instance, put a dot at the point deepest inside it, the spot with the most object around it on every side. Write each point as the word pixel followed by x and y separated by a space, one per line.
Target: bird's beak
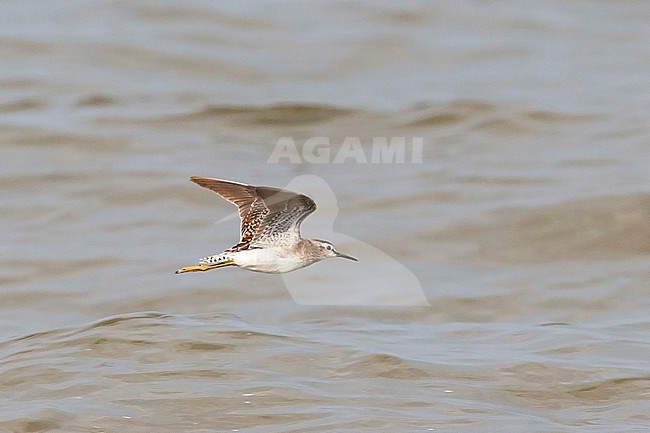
pixel 345 256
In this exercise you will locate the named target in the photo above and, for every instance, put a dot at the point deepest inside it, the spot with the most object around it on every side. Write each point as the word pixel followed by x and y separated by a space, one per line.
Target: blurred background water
pixel 526 224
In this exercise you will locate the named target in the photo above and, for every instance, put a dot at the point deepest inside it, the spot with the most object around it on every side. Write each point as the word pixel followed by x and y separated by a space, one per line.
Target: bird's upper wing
pixel 268 215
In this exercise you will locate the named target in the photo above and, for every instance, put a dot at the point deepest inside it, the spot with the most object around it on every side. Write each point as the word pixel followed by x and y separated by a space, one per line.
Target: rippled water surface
pixel 525 226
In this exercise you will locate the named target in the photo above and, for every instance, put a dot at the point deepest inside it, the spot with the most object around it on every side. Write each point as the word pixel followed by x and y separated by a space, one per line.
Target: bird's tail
pixel 211 262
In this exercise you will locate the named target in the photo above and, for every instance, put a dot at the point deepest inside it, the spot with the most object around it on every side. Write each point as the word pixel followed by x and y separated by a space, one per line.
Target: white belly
pixel 269 260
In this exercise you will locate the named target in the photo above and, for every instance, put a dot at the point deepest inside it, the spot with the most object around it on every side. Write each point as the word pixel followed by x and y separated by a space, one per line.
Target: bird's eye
pixel 329 248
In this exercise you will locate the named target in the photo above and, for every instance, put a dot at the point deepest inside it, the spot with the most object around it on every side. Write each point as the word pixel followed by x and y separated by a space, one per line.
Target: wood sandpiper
pixel 270 230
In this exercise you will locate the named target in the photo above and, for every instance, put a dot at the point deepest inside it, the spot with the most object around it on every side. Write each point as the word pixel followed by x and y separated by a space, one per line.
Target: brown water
pixel 525 227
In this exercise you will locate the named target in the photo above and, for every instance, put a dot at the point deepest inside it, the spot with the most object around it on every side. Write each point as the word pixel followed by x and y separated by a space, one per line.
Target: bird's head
pixel 327 250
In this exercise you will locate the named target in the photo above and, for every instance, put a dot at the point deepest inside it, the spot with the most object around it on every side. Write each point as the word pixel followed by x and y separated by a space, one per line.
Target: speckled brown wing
pixel 286 211
pixel 269 216
pixel 241 195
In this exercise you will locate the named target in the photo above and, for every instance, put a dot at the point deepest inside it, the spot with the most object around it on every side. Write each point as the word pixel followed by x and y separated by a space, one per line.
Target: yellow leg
pixel 201 268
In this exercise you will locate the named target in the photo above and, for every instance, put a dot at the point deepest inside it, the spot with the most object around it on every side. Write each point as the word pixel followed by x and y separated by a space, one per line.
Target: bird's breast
pixel 269 260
